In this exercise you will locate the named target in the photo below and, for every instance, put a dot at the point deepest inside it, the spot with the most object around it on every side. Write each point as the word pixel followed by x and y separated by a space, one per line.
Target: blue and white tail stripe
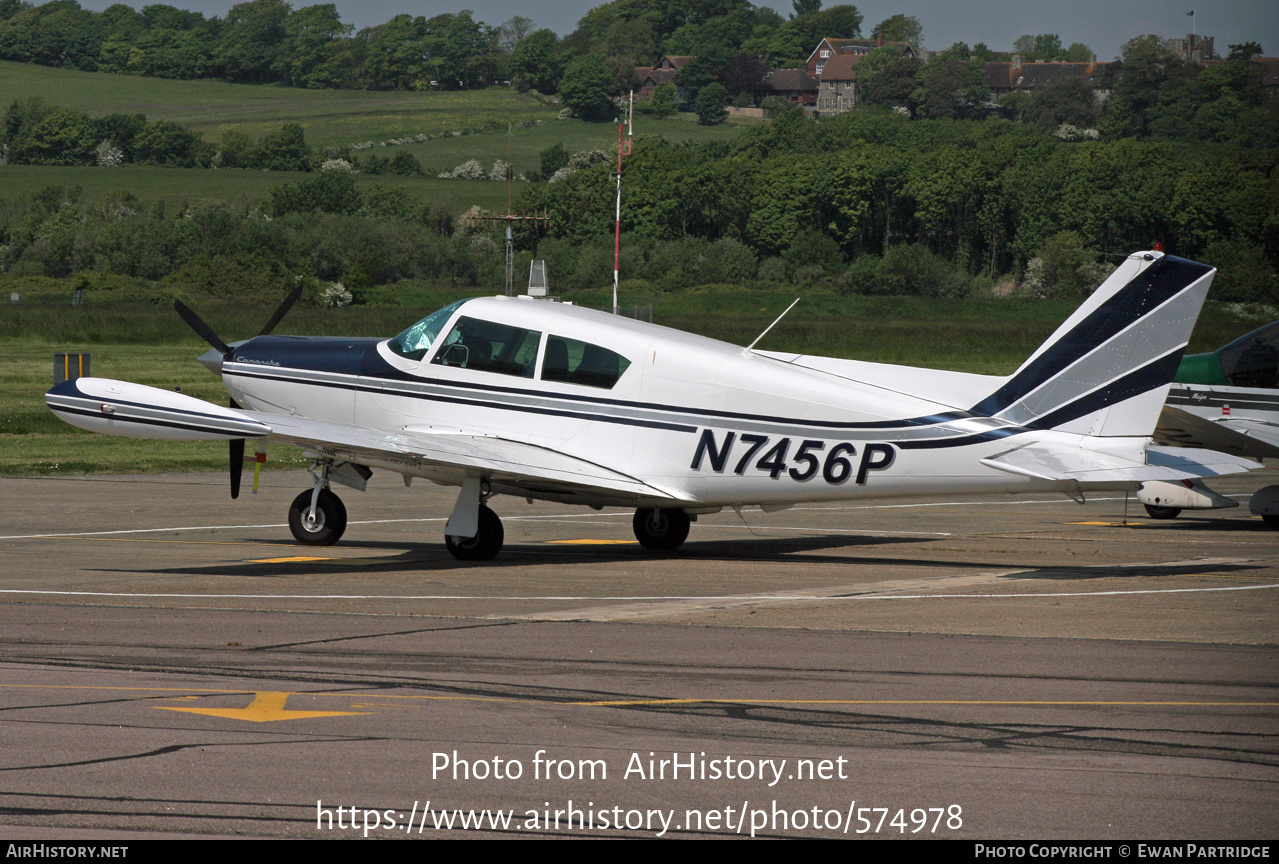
pixel 1125 342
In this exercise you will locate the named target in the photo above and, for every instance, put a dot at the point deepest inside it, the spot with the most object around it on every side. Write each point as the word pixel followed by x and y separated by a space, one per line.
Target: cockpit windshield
pixel 414 342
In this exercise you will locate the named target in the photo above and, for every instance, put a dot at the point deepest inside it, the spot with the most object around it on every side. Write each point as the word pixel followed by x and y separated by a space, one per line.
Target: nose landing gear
pixel 324 527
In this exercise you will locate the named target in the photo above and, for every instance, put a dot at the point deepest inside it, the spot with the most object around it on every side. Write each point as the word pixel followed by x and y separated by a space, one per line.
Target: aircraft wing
pixel 1239 436
pixel 456 455
pixel 1057 463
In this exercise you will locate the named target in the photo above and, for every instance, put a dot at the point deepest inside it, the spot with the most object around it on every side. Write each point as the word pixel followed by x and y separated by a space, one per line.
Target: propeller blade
pixel 283 310
pixel 237 465
pixel 204 331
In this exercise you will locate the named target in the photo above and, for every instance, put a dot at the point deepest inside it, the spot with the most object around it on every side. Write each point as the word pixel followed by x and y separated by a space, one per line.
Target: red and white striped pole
pixel 617 223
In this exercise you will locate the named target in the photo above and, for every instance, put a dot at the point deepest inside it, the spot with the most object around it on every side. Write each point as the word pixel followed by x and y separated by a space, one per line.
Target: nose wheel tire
pixel 660 530
pixel 1156 512
pixel 329 522
pixel 485 545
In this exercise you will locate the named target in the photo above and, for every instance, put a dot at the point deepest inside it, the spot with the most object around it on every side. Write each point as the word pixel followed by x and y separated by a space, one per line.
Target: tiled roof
pixel 790 79
pixel 841 67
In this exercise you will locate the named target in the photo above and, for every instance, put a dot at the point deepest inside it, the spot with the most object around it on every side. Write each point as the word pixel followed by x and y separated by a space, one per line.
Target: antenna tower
pixel 510 218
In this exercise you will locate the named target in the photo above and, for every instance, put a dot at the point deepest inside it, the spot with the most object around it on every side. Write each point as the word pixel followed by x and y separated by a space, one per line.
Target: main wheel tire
pixel 1162 512
pixel 660 530
pixel 1270 519
pixel 485 545
pixel 330 519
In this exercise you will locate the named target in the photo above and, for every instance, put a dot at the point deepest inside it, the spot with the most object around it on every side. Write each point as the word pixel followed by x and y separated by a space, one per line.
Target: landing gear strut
pixel 660 530
pixel 486 543
pixel 318 517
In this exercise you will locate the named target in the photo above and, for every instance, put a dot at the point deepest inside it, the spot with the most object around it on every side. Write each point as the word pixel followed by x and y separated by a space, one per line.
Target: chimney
pixel 879 39
pixel 1016 64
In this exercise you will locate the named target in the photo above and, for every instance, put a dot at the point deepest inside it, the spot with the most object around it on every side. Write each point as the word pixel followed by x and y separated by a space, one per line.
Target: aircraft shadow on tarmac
pixel 1142 569
pixel 1241 524
pixel 430 556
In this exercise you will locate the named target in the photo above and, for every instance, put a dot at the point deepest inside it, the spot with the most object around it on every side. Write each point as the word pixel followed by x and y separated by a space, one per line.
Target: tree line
pixel 33 132
pixel 837 202
pixel 856 205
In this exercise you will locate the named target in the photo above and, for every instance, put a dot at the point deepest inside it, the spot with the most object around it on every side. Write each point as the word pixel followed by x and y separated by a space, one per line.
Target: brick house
pixel 796 85
pixel 651 76
pixel 829 48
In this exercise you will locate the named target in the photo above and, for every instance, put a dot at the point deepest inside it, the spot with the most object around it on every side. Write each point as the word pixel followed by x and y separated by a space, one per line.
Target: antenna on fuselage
pixel 769 327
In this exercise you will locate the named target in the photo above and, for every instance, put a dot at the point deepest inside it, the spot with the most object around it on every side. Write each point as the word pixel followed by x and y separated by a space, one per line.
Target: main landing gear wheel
pixel 1162 512
pixel 485 545
pixel 329 523
pixel 660 530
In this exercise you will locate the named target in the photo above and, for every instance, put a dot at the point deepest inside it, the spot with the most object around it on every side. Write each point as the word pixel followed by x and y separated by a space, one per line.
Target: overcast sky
pixel 1102 25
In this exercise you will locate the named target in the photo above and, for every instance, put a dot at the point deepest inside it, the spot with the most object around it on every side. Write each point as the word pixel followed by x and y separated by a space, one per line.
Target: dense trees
pixel 585 88
pixel 977 196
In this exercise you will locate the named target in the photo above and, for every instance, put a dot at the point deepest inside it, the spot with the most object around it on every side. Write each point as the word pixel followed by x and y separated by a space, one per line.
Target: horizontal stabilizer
pixel 1049 462
pixel 1258 430
pixel 1241 436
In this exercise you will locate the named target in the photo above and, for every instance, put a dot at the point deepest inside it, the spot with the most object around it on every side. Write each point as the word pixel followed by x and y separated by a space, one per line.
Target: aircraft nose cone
pixel 212 360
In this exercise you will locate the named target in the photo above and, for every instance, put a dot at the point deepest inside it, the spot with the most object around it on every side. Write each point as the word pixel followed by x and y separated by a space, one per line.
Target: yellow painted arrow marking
pixel 265 708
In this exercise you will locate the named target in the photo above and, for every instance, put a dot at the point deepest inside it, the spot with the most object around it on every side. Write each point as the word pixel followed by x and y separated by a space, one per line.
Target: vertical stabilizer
pixel 1106 371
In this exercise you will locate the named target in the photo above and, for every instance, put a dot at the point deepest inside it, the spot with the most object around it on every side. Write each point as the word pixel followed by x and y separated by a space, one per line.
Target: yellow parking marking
pixel 1113 524
pixel 595 542
pixel 290 559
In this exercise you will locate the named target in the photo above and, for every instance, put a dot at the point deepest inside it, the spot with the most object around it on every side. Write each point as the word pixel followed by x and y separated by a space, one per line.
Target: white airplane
pixel 1226 400
pixel 536 399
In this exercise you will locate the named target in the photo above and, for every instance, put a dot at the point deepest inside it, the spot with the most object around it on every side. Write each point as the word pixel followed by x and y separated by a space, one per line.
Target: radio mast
pixel 510 217
pixel 623 148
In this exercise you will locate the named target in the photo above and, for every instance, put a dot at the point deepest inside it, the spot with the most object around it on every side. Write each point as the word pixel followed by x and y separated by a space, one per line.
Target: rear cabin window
pixel 575 362
pixel 489 347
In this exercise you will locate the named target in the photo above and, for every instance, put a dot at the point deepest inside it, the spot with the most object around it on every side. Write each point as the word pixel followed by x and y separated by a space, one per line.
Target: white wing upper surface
pixel 452 456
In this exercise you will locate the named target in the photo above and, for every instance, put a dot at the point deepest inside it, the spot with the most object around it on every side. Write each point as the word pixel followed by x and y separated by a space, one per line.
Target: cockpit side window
pixel 489 347
pixel 414 342
pixel 1253 360
pixel 575 362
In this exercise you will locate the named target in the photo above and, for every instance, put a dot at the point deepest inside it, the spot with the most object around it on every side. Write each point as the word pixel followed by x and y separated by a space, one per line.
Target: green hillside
pixel 177 185
pixel 331 118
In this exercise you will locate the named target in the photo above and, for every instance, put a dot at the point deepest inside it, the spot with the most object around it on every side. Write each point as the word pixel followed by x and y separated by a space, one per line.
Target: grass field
pixel 330 117
pixel 526 145
pixel 178 185
pixel 33 441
